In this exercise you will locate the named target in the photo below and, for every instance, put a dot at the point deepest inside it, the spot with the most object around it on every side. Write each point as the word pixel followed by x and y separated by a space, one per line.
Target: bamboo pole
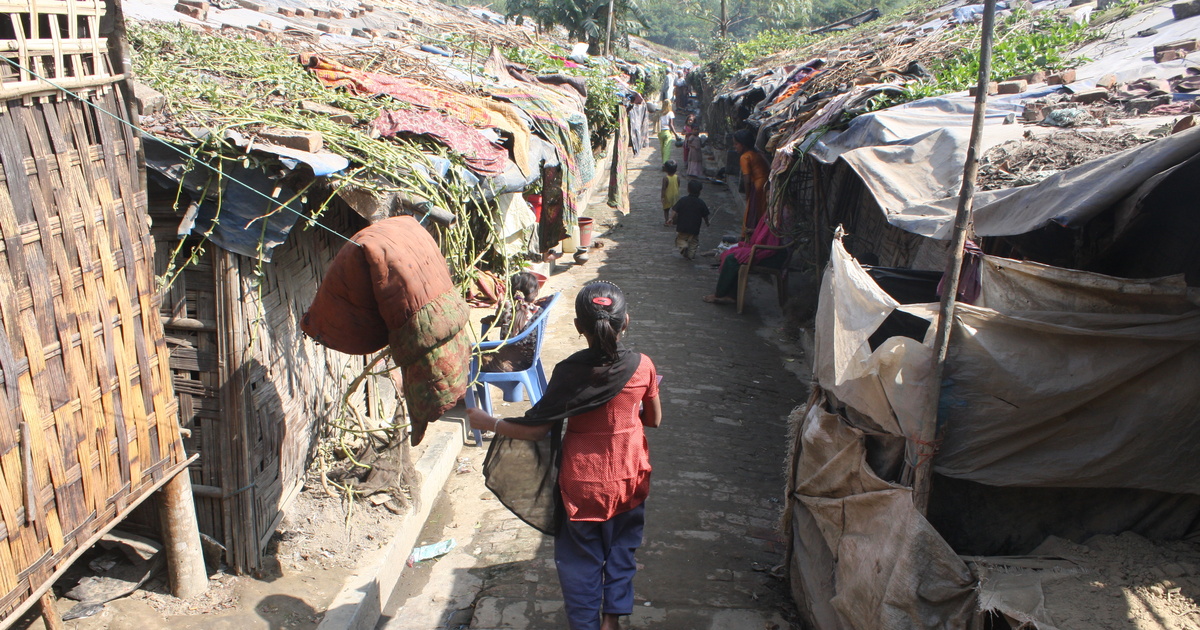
pixel 181 537
pixel 926 442
pixel 609 30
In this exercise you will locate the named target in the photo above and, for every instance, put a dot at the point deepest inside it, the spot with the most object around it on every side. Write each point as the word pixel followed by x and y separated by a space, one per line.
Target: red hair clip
pixel 602 301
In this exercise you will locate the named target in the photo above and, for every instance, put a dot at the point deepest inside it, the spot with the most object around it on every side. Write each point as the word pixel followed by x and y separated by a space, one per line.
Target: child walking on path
pixel 593 502
pixel 687 214
pixel 695 155
pixel 670 189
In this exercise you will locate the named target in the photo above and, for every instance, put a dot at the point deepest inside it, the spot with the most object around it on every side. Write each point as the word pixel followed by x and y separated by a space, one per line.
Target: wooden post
pixel 181 537
pixel 927 439
pixel 50 615
pixel 609 30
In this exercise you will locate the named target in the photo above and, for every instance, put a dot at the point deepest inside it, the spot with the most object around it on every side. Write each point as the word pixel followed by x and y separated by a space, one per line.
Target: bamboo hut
pixel 88 425
pixel 252 389
pixel 255 395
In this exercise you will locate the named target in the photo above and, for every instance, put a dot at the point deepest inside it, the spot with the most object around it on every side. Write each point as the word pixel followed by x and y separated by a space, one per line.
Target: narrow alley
pixel 712 556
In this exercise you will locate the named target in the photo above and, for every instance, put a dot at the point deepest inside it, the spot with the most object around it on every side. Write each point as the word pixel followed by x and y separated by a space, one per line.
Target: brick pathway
pixel 717 488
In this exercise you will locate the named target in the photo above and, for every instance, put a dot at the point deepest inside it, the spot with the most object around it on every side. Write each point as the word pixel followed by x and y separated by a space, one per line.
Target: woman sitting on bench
pixel 734 257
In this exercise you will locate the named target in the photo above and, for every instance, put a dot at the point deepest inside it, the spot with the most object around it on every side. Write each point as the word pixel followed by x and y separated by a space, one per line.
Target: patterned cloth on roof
pixel 551 122
pixel 483 156
pixel 478 112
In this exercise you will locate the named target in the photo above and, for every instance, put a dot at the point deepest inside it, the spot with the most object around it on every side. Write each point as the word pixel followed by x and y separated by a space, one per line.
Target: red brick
pixel 332 28
pixel 337 14
pixel 253 6
pixel 1061 78
pixel 310 141
pixel 1186 45
pixel 993 88
pixel 304 12
pixel 1034 112
pixel 195 12
pixel 1143 106
pixel 1032 77
pixel 1184 10
pixel 1090 96
pixel 286 12
pixel 1108 81
pixel 1184 123
pixel 149 101
pixel 1012 87
pixel 1169 55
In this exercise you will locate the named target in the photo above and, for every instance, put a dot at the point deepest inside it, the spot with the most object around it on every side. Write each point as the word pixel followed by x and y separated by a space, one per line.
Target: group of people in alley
pixel 687 212
pixel 590 492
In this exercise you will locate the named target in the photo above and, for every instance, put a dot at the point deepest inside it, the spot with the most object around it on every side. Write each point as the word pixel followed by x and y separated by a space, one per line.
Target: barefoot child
pixel 604 478
pixel 687 214
pixel 670 189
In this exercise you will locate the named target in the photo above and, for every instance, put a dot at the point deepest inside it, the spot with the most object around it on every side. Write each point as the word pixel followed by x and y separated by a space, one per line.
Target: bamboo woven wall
pixel 88 422
pixel 253 391
pixel 843 199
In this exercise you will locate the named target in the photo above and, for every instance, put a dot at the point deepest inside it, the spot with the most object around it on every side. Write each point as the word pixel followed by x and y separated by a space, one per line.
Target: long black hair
pixel 524 286
pixel 600 308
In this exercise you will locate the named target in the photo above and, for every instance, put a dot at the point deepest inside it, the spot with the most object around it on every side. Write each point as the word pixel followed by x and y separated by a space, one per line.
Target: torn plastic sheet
pixel 244 222
pixel 322 164
pixel 241 217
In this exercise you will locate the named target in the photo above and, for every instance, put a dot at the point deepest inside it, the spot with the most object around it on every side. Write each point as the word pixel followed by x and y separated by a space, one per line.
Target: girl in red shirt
pixel 588 489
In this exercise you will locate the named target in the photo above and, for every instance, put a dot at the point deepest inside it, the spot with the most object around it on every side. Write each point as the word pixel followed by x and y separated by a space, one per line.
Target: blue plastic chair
pixel 531 381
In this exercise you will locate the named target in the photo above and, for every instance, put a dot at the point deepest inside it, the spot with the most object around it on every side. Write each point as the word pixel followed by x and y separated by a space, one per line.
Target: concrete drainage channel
pixel 360 602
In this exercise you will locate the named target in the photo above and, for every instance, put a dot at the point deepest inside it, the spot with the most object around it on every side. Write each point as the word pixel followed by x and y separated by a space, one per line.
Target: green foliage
pixel 585 20
pixel 209 74
pixel 1022 45
pixel 665 24
pixel 731 57
pixel 1118 11
pixel 220 82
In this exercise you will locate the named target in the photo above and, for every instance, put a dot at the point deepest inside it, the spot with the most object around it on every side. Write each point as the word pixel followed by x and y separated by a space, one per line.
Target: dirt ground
pixel 1122 582
pixel 319 542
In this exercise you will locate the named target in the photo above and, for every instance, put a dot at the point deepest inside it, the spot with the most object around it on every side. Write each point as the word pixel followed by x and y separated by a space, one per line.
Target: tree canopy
pixel 695 24
pixel 584 20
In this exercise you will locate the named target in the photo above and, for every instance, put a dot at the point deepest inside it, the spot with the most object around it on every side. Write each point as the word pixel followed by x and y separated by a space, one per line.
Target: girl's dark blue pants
pixel 596 566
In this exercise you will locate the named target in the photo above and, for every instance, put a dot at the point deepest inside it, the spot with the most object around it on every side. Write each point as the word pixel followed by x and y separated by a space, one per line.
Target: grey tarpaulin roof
pixel 911 156
pixel 916 180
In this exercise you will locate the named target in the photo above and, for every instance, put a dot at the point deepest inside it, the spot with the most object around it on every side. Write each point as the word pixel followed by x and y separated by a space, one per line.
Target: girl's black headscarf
pixel 524 474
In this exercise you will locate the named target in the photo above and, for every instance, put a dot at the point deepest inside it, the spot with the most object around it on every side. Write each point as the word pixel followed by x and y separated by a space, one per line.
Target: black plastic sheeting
pixel 239 216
